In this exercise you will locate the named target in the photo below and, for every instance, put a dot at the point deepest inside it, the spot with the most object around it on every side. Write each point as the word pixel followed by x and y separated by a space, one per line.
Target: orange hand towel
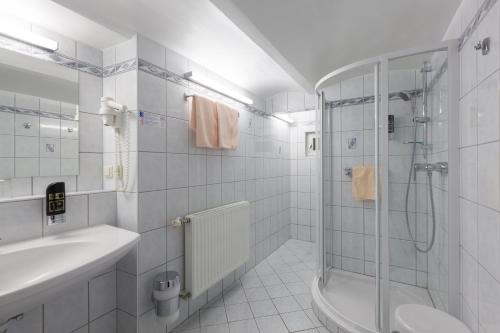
pixel 363 183
pixel 228 127
pixel 204 122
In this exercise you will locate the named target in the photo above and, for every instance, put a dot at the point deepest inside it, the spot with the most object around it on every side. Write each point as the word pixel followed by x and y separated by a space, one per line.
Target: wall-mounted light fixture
pixel 284 117
pixel 217 87
pixel 28 37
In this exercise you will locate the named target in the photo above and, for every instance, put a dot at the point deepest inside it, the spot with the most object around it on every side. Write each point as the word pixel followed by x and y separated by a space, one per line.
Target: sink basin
pixel 34 271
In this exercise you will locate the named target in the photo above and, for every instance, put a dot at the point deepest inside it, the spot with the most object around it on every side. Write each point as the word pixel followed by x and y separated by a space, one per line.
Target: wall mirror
pixel 39 133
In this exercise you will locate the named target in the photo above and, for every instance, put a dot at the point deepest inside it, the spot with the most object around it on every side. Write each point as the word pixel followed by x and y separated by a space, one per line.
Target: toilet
pixel 415 318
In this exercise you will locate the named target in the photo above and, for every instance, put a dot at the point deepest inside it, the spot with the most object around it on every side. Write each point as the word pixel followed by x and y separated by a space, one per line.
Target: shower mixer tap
pixel 441 167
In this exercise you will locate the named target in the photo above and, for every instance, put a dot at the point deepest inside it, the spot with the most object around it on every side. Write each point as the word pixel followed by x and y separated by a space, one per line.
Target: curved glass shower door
pixel 349 115
pixel 394 114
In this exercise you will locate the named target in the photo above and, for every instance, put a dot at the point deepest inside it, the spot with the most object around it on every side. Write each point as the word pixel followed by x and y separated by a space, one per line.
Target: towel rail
pixel 187 96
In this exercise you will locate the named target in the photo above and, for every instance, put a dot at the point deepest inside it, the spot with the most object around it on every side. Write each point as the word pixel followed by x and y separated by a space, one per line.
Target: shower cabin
pixel 397 113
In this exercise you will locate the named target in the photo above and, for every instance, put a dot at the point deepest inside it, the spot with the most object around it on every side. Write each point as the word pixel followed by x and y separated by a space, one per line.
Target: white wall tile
pixel 152 210
pixel 151 51
pixel 177 170
pixel 487 110
pixel 104 324
pixel 21 220
pixel 489 240
pixel 102 295
pixel 90 92
pixel 488 164
pixel 152 171
pixel 68 312
pixel 91 168
pixel 152 249
pixel 102 208
pixel 468 119
pixel 152 93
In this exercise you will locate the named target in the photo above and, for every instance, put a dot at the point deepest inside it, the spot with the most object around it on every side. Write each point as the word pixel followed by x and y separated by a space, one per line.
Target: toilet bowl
pixel 415 318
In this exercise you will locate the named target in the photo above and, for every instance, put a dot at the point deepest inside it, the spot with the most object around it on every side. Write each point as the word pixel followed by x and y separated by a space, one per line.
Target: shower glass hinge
pixel 426 147
pixel 483 45
pixel 421 120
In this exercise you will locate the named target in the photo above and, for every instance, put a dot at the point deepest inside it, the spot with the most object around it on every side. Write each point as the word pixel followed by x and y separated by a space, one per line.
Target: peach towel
pixel 203 120
pixel 228 127
pixel 363 183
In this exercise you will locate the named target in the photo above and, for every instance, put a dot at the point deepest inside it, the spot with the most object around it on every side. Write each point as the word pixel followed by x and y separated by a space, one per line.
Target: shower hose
pixel 408 185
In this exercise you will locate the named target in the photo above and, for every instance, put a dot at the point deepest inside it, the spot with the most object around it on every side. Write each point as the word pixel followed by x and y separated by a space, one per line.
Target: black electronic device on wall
pixel 55 198
pixel 391 126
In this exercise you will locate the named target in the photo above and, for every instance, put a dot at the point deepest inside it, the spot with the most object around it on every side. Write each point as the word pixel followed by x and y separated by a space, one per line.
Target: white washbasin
pixel 34 271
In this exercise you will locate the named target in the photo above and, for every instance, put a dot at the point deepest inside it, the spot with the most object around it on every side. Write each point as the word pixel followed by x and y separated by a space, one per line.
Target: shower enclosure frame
pixel 381 92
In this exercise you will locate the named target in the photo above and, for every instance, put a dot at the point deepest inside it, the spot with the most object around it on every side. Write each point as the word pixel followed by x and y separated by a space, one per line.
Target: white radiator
pixel 217 242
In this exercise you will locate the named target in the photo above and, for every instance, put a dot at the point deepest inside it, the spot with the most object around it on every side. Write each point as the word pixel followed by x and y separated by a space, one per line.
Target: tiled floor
pixel 274 297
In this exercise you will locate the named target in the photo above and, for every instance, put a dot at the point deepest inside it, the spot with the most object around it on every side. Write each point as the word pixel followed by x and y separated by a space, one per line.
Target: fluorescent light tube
pixel 284 117
pixel 218 87
pixel 28 37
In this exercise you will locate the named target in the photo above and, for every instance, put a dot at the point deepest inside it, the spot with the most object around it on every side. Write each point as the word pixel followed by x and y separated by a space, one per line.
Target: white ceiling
pixel 57 18
pixel 199 31
pixel 319 36
pixel 263 46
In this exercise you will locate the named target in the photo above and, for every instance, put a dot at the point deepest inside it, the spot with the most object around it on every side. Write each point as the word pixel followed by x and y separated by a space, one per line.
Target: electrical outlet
pixel 113 171
pixel 108 171
pixel 118 171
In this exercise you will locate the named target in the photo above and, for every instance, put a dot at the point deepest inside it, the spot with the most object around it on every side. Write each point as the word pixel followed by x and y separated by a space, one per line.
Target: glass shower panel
pixel 348 141
pixel 418 198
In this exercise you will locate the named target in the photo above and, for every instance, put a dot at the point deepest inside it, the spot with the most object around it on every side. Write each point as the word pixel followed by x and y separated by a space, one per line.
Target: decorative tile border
pixel 478 17
pixel 36 113
pixel 169 76
pixel 122 67
pixel 368 99
pixel 119 68
pixel 53 57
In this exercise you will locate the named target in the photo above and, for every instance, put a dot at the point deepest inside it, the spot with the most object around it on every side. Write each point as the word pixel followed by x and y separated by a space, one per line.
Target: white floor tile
pixel 237 312
pixel 297 288
pixel 286 304
pixel 278 290
pixel 222 328
pixel 273 297
pixel 312 317
pixel 213 316
pixel 297 321
pixel 272 324
pixel 235 295
pixel 289 277
pixel 304 300
pixel 244 326
pixel 263 308
pixel 256 294
pixel 270 280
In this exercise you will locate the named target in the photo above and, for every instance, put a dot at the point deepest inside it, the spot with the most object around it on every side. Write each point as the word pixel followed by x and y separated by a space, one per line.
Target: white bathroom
pixel 227 166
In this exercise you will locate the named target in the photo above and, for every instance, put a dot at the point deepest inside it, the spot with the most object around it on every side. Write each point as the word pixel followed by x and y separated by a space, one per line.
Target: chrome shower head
pixel 404 96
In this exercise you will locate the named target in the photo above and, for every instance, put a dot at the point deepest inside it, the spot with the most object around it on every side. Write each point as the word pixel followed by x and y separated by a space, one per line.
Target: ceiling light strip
pixel 169 76
pixel 28 37
pixel 54 57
